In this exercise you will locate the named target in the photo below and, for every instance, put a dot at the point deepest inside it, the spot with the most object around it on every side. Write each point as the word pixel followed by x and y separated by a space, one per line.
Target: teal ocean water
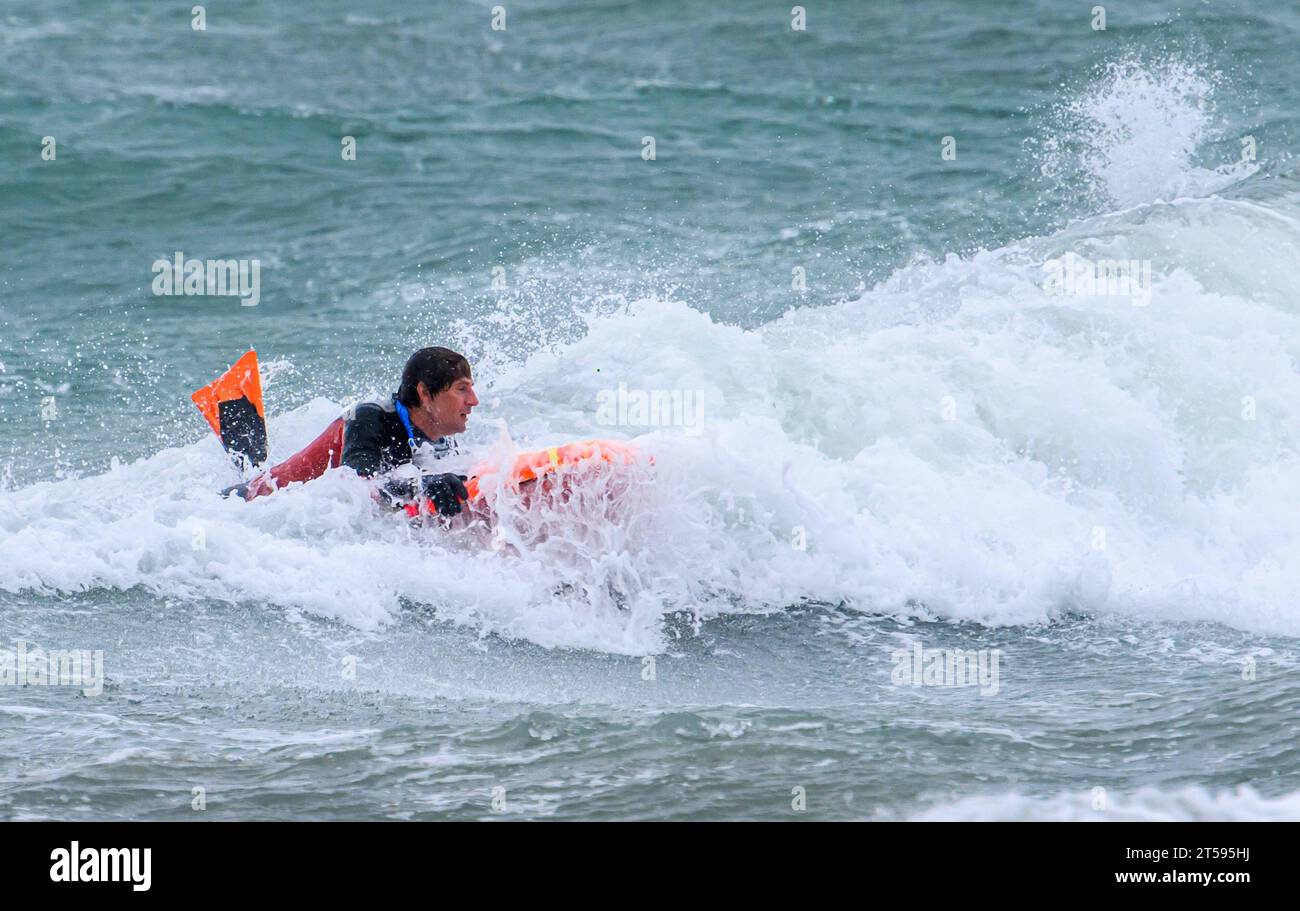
pixel 841 248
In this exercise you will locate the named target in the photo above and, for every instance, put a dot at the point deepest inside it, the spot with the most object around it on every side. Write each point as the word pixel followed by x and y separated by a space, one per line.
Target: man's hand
pixel 446 491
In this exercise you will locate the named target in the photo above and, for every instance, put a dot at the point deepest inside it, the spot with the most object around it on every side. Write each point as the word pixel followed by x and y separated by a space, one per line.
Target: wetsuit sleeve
pixel 364 438
pixel 371 450
pixel 363 441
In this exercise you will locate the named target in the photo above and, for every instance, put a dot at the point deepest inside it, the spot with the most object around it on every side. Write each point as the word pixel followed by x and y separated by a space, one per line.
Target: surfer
pixel 414 425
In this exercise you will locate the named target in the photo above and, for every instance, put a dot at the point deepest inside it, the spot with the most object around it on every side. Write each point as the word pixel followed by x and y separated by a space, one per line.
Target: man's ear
pixel 422 393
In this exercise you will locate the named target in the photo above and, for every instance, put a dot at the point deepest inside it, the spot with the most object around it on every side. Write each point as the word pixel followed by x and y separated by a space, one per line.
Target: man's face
pixel 449 410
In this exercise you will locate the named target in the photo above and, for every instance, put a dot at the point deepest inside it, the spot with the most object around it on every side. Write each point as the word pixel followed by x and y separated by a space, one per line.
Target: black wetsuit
pixel 375 442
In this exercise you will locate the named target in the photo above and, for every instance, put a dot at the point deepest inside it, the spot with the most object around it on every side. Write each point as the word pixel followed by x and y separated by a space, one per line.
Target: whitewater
pixel 953 454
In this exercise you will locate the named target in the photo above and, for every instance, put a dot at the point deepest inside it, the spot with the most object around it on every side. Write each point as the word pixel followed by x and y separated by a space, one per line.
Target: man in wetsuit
pixel 433 402
pixel 415 424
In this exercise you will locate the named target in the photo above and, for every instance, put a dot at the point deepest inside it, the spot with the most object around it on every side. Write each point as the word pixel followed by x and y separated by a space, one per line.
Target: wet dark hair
pixel 437 368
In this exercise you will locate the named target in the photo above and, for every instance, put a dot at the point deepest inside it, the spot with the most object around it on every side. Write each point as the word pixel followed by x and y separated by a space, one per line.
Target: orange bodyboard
pixel 529 466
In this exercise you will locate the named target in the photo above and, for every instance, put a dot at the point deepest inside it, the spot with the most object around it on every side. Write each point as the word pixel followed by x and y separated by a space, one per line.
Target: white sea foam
pixel 955 442
pixel 1143 805
pixel 1132 136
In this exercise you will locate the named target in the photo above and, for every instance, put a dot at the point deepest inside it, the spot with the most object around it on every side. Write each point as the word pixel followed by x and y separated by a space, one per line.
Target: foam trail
pixel 1144 805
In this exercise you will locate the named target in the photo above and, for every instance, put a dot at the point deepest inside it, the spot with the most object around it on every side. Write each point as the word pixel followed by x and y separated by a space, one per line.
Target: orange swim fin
pixel 232 405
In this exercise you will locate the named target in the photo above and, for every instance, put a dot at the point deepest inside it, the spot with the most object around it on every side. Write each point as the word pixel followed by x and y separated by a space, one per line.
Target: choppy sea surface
pixel 906 437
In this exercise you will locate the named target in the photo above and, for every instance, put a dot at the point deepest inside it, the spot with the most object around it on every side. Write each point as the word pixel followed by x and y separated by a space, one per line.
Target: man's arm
pixel 445 491
pixel 364 439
